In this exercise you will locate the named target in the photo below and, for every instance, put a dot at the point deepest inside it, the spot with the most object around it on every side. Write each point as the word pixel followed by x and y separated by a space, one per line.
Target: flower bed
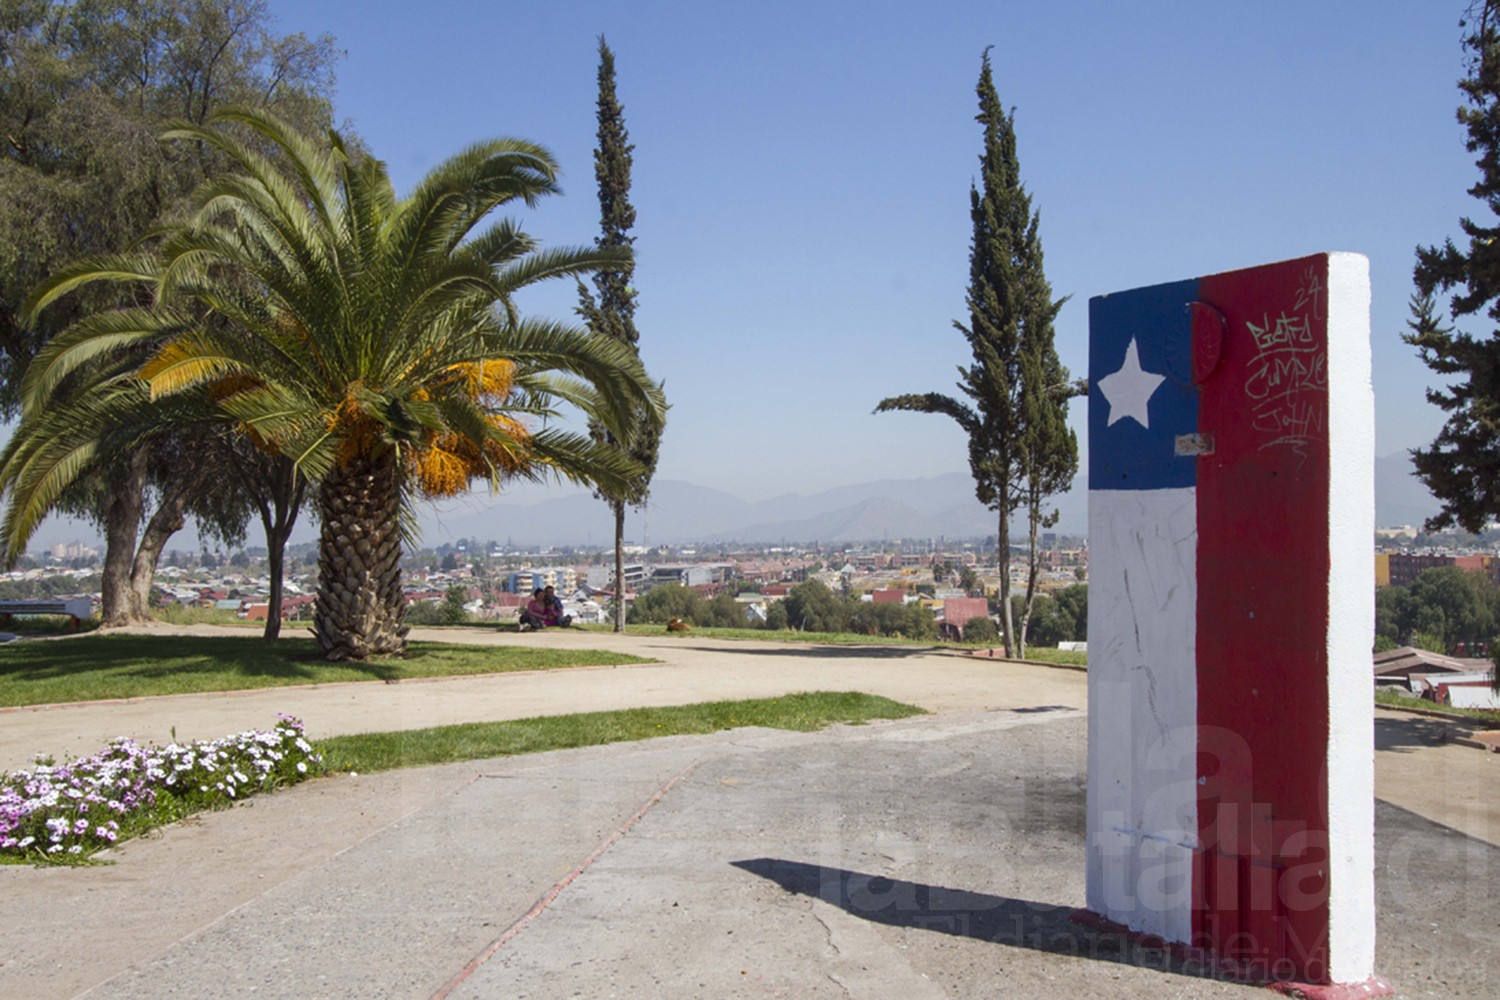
pixel 61 812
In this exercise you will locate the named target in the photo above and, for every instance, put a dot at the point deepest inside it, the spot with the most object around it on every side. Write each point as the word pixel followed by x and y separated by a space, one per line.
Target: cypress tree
pixel 1462 466
pixel 1021 451
pixel 612 312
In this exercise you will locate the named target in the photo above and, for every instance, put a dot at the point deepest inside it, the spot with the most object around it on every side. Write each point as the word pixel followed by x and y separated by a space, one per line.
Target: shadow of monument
pixel 1406 733
pixel 1001 920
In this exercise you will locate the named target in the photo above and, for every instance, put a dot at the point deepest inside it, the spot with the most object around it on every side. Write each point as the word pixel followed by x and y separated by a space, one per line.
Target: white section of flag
pixel 1143 708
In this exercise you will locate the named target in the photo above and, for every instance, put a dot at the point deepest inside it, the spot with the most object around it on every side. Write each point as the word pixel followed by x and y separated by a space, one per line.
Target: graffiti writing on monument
pixel 1287 380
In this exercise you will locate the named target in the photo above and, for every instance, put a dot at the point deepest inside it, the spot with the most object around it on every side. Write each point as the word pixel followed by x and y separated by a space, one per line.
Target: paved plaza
pixel 937 856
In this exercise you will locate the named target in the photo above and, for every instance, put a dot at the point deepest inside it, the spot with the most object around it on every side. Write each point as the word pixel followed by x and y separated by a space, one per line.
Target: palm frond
pixel 127 268
pixel 98 336
pixel 562 262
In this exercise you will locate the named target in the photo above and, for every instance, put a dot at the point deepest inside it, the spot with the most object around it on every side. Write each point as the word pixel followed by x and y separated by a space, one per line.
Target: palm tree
pixel 373 340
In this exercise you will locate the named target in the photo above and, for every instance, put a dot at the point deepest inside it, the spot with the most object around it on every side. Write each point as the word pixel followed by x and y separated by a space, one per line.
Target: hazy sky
pixel 802 178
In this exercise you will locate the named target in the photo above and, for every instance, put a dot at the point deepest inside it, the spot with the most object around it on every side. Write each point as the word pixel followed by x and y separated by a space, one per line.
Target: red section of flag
pixel 1261 882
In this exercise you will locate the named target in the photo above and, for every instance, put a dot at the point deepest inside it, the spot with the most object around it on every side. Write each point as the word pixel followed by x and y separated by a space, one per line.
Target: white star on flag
pixel 1129 390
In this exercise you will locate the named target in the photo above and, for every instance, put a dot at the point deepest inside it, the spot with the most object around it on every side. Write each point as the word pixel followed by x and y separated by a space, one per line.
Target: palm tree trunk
pixel 619 509
pixel 360 608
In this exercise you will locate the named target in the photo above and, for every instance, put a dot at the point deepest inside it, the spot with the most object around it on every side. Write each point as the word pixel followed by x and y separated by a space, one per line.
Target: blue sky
pixel 802 177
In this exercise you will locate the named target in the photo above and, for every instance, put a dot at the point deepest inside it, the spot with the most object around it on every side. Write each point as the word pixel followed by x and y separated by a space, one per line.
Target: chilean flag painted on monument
pixel 1228 419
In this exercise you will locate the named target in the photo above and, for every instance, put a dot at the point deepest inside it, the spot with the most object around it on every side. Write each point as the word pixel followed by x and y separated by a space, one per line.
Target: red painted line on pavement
pixel 552 894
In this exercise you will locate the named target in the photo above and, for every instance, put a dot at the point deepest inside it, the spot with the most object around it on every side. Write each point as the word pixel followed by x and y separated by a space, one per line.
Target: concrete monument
pixel 1231 511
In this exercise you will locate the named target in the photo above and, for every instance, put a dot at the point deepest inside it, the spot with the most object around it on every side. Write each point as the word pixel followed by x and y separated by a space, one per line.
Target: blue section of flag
pixel 1124 455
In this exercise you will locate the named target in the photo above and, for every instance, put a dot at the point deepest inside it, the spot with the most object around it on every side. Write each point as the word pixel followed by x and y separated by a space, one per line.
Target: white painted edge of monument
pixel 1351 624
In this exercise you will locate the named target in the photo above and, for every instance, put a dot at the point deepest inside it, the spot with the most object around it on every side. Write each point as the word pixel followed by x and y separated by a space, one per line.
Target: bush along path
pixel 63 813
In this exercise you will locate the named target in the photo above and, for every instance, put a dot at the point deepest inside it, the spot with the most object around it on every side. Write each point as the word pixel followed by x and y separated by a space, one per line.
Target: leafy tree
pixel 425 613
pixel 381 348
pixel 612 314
pixel 453 610
pixel 911 621
pixel 85 88
pixel 273 488
pixel 664 602
pixel 1021 451
pixel 776 617
pixel 981 631
pixel 1446 605
pixel 1390 611
pixel 1433 642
pixel 722 611
pixel 812 607
pixel 1063 617
pixel 1462 466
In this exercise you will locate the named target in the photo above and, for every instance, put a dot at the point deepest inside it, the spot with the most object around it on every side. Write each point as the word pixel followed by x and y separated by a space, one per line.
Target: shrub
pixel 981 632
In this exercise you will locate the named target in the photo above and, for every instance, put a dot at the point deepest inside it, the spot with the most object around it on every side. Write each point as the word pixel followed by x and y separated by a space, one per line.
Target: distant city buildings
pixel 1400 569
pixel 524 581
pixel 72 550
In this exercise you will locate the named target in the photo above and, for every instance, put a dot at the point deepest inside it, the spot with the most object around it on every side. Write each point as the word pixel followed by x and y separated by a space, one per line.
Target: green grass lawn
pixel 1393 700
pixel 784 635
pixel 1050 654
pixel 367 752
pixel 93 667
pixel 1045 654
pixel 33 625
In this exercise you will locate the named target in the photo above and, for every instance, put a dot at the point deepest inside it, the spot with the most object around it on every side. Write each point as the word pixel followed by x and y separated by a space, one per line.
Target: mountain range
pixel 883 510
pixel 684 513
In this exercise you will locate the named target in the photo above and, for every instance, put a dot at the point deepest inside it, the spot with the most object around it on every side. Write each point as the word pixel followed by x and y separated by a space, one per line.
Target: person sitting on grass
pixel 534 615
pixel 552 612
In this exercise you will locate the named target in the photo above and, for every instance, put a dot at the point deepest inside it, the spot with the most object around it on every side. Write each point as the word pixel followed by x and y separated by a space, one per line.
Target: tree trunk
pixel 275 562
pixel 619 510
pixel 1003 557
pixel 165 522
pixel 360 605
pixel 122 519
pixel 1033 515
pixel 287 489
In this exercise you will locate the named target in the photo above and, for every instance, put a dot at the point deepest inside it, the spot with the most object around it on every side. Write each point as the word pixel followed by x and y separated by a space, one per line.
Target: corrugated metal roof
pixel 1406 660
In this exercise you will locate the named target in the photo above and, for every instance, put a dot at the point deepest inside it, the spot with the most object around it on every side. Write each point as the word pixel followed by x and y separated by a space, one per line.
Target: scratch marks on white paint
pixel 1143 697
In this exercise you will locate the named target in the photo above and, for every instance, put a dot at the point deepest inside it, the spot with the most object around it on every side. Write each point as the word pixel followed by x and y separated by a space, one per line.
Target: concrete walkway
pixel 690 669
pixel 930 857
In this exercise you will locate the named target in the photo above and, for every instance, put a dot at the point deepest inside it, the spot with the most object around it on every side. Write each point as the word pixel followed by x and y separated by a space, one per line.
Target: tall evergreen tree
pixel 1021 451
pixel 612 313
pixel 1462 466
